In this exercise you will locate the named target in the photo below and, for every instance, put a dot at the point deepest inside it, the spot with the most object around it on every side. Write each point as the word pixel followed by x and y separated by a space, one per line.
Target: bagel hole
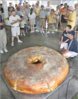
pixel 37 62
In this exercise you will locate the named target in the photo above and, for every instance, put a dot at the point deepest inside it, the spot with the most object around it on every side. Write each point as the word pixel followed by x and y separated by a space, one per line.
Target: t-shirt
pixel 65 35
pixel 13 19
pixel 37 10
pixel 32 16
pixel 50 18
pixel 2 10
pixel 63 20
pixel 72 17
pixel 1 20
pixel 47 10
pixel 42 14
pixel 27 11
pixel 57 14
pixel 10 9
pixel 73 45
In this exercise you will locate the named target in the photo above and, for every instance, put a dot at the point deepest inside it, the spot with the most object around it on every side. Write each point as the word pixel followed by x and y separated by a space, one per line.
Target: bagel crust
pixel 36 70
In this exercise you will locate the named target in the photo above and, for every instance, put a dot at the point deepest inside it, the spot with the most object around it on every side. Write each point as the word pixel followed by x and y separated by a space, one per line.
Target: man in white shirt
pixel 15 29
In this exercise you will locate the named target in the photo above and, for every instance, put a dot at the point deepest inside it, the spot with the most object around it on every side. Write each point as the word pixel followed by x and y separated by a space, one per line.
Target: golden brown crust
pixel 26 74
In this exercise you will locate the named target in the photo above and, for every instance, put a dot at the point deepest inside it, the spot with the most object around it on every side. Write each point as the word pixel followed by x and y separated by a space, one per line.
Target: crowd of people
pixel 36 18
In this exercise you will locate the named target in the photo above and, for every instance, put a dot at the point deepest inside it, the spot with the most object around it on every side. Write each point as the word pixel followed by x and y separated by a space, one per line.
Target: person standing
pixel 42 19
pixel 3 37
pixel 15 28
pixel 37 10
pixel 32 17
pixel 71 20
pixel 51 23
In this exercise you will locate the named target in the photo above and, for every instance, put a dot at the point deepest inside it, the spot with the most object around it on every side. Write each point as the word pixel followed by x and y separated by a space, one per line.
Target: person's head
pixel 65 9
pixel 37 5
pixel 33 6
pixel 48 3
pixel 21 17
pixel 18 8
pixel 0 5
pixel 71 9
pixel 16 5
pixel 14 13
pixel 68 28
pixel 61 5
pixel 58 7
pixel 42 7
pixel 76 6
pixel 26 4
pixel 52 11
pixel 10 4
pixel 65 5
pixel 38 2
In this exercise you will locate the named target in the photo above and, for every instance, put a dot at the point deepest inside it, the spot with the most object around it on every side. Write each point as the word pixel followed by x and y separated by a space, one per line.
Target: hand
pixel 18 20
pixel 1 23
pixel 70 36
pixel 61 42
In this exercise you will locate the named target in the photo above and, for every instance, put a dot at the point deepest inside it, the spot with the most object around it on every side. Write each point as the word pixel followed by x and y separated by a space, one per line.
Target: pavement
pixel 69 89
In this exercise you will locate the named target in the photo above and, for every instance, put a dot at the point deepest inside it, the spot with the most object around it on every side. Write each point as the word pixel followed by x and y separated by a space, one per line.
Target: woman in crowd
pixel 63 21
pixel 3 38
pixel 32 17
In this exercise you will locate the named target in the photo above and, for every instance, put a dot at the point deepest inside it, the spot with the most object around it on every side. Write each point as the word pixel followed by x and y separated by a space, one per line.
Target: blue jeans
pixel 37 23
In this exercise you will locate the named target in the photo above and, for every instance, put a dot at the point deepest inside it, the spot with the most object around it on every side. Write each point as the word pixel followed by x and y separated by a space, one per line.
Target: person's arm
pixel 18 20
pixel 69 20
pixel 70 36
pixel 2 23
pixel 62 39
pixel 66 41
pixel 60 18
pixel 14 22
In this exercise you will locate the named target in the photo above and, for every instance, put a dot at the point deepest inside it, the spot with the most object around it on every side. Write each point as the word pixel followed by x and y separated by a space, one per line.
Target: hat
pixel 71 8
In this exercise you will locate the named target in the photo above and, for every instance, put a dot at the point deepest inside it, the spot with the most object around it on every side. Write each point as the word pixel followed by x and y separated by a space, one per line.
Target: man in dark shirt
pixel 1 8
pixel 65 40
pixel 10 8
pixel 1 21
pixel 72 50
pixel 69 43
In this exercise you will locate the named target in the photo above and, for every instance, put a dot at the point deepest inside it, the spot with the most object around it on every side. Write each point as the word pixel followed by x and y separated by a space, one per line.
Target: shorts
pixel 64 45
pixel 51 27
pixel 32 22
pixel 42 22
pixel 15 31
